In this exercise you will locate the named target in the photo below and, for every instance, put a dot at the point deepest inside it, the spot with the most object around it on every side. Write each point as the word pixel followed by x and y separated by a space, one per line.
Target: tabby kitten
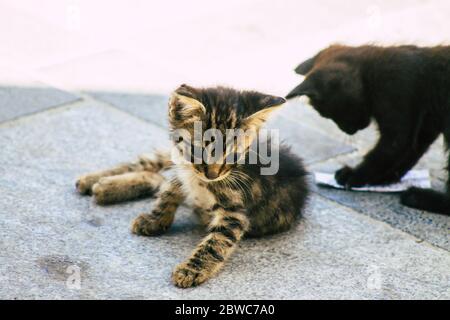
pixel 404 89
pixel 232 199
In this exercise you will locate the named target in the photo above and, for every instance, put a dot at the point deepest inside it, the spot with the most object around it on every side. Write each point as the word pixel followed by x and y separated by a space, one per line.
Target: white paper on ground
pixel 414 178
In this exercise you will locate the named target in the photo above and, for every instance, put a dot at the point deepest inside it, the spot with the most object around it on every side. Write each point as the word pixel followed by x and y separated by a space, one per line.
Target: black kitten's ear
pixel 306 88
pixel 265 104
pixel 305 67
pixel 184 106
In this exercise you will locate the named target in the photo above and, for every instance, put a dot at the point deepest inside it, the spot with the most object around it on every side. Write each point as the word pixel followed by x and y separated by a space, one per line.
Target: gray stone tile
pixel 309 143
pixel 386 207
pixel 17 101
pixel 47 227
pixel 301 111
pixel 149 107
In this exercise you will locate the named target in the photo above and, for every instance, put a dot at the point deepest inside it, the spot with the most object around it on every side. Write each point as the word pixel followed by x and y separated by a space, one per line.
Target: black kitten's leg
pixel 427 199
pixel 425 137
pixel 397 151
pixel 377 162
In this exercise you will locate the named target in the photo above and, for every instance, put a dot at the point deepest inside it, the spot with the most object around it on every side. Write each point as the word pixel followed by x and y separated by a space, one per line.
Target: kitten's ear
pixel 266 104
pixel 187 91
pixel 183 105
pixel 305 67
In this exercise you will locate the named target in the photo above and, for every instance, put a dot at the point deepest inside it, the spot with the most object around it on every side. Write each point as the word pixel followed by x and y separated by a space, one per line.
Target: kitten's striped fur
pixel 237 201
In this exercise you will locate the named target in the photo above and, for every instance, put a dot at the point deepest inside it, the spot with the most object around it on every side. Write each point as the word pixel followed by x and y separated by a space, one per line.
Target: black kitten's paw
pixel 411 197
pixel 349 178
pixel 389 178
pixel 343 175
pixel 426 199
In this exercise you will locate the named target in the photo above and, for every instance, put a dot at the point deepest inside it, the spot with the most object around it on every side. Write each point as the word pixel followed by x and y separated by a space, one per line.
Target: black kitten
pixel 405 89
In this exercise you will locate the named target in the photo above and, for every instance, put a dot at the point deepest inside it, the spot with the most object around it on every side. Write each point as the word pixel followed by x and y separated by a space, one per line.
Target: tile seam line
pixel 321 130
pixel 334 157
pixel 88 97
pixel 71 104
pixel 75 104
pixel 341 155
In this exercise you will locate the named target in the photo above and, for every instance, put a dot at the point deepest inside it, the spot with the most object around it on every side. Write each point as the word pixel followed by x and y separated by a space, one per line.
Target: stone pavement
pixel 72 101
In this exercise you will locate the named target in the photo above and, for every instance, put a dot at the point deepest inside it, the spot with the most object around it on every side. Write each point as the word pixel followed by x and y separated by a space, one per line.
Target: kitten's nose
pixel 212 173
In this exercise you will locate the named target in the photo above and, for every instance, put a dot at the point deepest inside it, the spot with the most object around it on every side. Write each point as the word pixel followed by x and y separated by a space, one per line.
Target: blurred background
pixel 153 46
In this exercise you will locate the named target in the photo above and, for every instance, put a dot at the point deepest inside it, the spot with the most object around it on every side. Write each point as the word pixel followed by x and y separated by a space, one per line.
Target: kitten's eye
pixel 211 140
pixel 196 153
pixel 233 157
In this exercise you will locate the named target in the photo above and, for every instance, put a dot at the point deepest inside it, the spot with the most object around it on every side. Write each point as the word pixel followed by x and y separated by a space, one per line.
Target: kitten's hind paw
pixel 85 183
pixel 127 186
pixel 185 277
pixel 148 225
pixel 426 199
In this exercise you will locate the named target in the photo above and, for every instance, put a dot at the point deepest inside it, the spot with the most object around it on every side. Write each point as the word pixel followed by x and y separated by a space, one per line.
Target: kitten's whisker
pixel 245 177
pixel 243 180
pixel 238 185
pixel 231 182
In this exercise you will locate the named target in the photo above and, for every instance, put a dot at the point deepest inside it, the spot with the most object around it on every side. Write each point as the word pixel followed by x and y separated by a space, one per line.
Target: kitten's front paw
pixel 350 178
pixel 185 277
pixel 343 175
pixel 84 184
pixel 148 225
